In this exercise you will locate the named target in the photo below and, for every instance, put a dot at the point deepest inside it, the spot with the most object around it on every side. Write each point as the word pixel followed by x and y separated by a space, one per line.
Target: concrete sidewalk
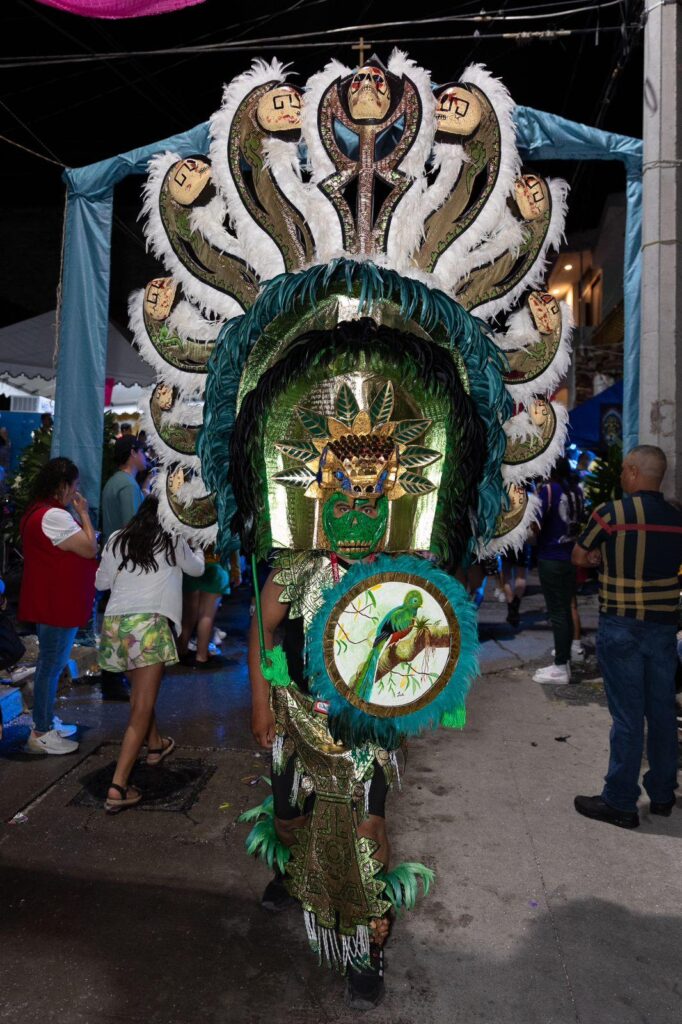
pixel 538 916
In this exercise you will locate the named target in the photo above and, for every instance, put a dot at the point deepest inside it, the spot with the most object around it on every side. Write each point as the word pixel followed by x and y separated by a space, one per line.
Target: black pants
pixel 557 580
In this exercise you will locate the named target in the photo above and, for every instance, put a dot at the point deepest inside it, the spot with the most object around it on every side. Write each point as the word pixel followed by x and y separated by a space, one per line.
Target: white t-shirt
pixel 58 525
pixel 134 591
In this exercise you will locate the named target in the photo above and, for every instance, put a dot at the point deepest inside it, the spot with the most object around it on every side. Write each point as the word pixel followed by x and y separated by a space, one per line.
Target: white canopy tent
pixel 27 360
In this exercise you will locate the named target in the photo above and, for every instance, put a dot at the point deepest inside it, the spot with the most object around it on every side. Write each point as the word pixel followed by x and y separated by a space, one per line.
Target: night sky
pixel 78 113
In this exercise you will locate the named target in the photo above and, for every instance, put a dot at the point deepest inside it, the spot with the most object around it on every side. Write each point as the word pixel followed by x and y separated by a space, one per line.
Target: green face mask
pixel 354 531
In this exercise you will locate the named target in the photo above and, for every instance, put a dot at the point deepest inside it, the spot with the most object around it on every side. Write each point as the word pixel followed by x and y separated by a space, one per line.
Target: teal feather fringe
pixel 432 309
pixel 401 884
pixel 263 841
pixel 351 723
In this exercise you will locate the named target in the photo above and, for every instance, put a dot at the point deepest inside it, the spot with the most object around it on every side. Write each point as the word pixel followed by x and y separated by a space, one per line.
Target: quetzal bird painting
pixel 395 625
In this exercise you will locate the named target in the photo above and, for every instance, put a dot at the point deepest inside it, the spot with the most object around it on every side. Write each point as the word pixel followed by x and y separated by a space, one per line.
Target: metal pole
pixel 660 393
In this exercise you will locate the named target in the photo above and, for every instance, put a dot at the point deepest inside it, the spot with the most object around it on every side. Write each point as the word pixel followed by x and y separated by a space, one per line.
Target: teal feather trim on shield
pixel 263 841
pixel 435 311
pixel 354 725
pixel 401 884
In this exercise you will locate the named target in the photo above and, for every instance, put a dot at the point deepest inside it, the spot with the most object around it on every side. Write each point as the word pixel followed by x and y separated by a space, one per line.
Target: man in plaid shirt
pixel 637 543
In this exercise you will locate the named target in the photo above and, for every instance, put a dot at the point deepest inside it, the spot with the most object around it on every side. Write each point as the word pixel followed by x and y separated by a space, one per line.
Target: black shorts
pixel 281 791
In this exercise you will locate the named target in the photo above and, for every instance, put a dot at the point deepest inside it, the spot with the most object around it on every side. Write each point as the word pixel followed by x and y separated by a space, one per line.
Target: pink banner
pixel 119 8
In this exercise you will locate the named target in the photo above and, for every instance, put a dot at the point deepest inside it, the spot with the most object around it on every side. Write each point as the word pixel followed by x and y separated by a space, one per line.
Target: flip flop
pixel 114 806
pixel 167 747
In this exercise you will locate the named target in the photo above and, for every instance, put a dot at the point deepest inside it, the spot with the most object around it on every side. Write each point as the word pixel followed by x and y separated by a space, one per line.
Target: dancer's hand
pixel 263 727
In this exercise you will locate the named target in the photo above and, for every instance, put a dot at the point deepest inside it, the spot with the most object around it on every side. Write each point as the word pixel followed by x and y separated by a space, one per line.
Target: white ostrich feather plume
pixel 516 538
pixel 324 223
pixel 166 456
pixel 548 381
pixel 209 222
pixel 263 254
pixel 542 464
pixel 170 522
pixel 454 260
pixel 537 273
pixel 189 384
pixel 204 295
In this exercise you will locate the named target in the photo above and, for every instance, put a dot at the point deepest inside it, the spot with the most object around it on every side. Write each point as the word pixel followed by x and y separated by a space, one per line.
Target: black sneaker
pixel 597 808
pixel 664 809
pixel 276 895
pixel 365 985
pixel 513 616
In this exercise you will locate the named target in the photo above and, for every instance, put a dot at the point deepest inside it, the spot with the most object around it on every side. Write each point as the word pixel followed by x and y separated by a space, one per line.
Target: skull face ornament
pixel 532 196
pixel 354 528
pixel 279 110
pixel 544 309
pixel 188 179
pixel 158 297
pixel 458 112
pixel 369 96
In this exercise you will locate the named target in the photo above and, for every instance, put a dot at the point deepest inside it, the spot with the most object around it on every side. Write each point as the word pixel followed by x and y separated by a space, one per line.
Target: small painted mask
pixel 544 309
pixel 532 196
pixel 279 109
pixel 369 97
pixel 188 179
pixel 354 529
pixel 458 112
pixel 164 397
pixel 538 412
pixel 158 297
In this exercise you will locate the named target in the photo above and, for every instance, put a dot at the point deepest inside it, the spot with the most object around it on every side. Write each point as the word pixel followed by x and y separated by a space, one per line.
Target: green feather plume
pixel 401 884
pixel 263 841
pixel 254 813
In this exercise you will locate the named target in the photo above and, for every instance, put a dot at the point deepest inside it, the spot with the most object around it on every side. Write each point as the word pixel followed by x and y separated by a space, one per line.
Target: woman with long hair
pixel 57 590
pixel 562 513
pixel 142 565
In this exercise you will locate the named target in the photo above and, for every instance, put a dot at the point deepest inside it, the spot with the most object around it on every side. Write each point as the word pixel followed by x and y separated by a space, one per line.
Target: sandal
pixel 114 806
pixel 167 747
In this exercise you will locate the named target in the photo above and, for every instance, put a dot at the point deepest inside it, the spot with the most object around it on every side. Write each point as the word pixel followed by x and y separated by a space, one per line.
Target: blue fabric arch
pixel 83 313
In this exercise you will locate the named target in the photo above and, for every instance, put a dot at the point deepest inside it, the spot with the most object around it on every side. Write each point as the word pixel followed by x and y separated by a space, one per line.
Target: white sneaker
pixel 192 644
pixel 218 635
pixel 49 743
pixel 21 672
pixel 62 728
pixel 553 674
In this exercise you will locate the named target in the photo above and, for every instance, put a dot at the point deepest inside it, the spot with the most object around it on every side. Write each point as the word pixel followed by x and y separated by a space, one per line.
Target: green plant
pixel 603 484
pixel 109 437
pixel 32 460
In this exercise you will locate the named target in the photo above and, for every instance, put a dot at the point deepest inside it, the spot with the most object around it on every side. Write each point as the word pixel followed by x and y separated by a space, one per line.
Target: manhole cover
pixel 576 693
pixel 173 786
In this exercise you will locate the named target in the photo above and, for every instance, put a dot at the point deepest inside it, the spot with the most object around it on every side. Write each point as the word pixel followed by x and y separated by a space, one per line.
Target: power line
pixel 546 34
pixel 287 41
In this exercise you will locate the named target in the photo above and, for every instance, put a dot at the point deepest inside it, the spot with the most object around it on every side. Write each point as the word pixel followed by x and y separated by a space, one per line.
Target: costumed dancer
pixel 354 352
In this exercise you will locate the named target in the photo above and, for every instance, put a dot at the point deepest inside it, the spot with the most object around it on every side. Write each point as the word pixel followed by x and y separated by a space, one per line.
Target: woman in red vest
pixel 57 589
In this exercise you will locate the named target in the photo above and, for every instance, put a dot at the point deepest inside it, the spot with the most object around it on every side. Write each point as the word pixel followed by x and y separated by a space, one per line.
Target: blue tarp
pixel 585 421
pixel 83 320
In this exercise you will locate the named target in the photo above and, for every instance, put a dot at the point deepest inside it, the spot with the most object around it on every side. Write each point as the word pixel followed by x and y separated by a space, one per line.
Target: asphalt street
pixel 538 916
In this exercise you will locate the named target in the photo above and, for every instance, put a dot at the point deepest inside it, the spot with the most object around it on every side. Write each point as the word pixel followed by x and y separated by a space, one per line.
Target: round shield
pixel 395 639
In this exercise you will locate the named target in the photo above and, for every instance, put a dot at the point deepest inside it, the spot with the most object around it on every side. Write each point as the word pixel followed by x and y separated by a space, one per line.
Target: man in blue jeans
pixel 637 542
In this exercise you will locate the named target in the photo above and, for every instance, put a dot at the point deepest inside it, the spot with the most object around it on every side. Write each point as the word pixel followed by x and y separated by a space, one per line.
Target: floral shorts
pixel 134 641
